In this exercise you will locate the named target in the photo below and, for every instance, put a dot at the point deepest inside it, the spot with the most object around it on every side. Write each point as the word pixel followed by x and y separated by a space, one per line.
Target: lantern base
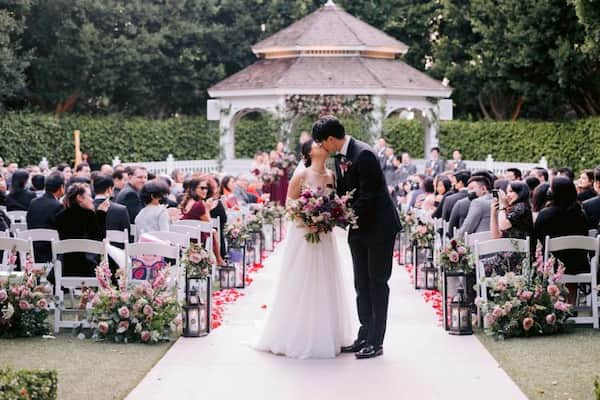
pixel 460 333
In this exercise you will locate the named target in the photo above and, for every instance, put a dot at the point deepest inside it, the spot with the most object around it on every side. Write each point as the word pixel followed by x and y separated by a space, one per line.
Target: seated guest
pixel 540 199
pixel 241 191
pixel 154 216
pixel 66 171
pixel 129 196
pixel 83 170
pixel 19 197
pixel 532 182
pixel 511 214
pixel 461 208
pixel 228 192
pixel 177 177
pixel 457 163
pixel 426 199
pixel 79 220
pixel 120 179
pixel 436 164
pixel 405 169
pixel 218 210
pixel 564 217
pixel 443 190
pixel 461 179
pixel 3 190
pixel 37 184
pixel 42 213
pixel 592 206
pixel 585 186
pixel 478 216
pixel 502 184
pixel 117 217
pixel 540 173
pixel 513 174
pixel 566 172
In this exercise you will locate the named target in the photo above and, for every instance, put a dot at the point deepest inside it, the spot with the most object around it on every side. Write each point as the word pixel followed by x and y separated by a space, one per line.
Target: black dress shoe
pixel 354 347
pixel 369 351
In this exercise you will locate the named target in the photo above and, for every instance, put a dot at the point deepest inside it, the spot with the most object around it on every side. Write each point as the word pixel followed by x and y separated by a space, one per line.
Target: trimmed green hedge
pixel 27 137
pixel 28 384
pixel 254 133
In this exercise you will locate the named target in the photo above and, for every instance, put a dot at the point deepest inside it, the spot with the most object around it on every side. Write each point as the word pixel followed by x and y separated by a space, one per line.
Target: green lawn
pixel 86 369
pixel 554 367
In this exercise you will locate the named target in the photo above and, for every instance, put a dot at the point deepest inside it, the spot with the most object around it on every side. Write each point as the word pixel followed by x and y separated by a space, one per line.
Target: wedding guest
pixel 117 216
pixel 426 199
pixel 564 217
pixel 10 170
pixel 106 170
pixel 42 213
pixel 120 179
pixel 154 215
pixel 511 213
pixel 566 172
pixel 540 173
pixel 19 197
pixel 478 216
pixel 436 164
pixel 227 192
pixel 532 182
pixel 388 165
pixel 177 177
pixel 380 148
pixel 461 208
pixel 416 189
pixel 129 196
pixel 66 171
pixel 79 221
pixel 460 187
pixel 501 184
pixel 37 184
pixel 406 168
pixel 218 211
pixel 585 186
pixel 3 190
pixel 457 163
pixel 443 190
pixel 83 170
pixel 539 200
pixel 513 174
pixel 592 206
pixel 241 191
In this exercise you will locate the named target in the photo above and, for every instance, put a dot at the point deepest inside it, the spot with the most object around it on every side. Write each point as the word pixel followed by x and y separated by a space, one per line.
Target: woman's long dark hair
pixel 522 191
pixel 564 194
pixel 19 180
pixel 306 148
pixel 539 200
pixel 73 191
pixel 190 193
pixel 225 183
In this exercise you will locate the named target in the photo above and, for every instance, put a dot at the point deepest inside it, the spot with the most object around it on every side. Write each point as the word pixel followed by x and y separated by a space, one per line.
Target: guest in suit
pixel 457 163
pixel 37 184
pixel 117 217
pixel 585 186
pixel 120 179
pixel 592 206
pixel 461 179
pixel 83 170
pixel 436 164
pixel 540 173
pixel 79 220
pixel 406 168
pixel 129 196
pixel 241 191
pixel 513 174
pixel 154 216
pixel 388 165
pixel 19 197
pixel 380 148
pixel 478 216
pixel 42 213
pixel 566 172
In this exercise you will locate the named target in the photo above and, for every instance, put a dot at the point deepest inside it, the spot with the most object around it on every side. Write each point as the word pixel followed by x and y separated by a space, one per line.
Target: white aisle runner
pixel 421 361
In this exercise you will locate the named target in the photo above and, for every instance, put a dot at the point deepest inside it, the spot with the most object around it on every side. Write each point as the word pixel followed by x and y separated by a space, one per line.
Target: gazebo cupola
pixel 328 52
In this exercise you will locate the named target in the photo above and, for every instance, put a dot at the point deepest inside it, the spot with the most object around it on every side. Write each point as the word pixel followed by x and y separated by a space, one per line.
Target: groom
pixel 372 244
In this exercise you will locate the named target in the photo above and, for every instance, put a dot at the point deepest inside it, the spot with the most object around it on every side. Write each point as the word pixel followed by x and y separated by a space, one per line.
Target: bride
pixel 310 316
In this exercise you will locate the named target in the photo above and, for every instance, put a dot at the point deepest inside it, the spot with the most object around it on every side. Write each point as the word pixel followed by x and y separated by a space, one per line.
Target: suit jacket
pixel 42 215
pixel 478 218
pixel 404 171
pixel 451 201
pixel 130 198
pixel 437 166
pixel 592 209
pixel 458 214
pixel 378 218
pixel 117 217
pixel 19 201
pixel 457 165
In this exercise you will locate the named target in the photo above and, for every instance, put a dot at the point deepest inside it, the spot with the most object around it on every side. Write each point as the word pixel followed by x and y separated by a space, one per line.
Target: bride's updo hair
pixel 306 148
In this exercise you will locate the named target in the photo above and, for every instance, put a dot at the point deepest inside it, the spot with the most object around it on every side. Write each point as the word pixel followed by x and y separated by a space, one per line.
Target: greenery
pixel 256 132
pixel 28 384
pixel 404 135
pixel 33 136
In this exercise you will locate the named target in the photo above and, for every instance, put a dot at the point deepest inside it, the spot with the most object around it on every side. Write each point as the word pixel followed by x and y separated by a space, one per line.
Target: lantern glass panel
pixel 227 277
pixel 268 237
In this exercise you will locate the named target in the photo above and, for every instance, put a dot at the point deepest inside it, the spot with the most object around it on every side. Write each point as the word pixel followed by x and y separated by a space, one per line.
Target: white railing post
pixel 489 162
pixel 116 161
pixel 544 162
pixel 170 164
pixel 44 164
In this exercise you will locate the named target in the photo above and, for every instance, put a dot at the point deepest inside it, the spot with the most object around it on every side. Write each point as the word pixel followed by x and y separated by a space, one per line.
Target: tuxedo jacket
pixel 478 217
pixel 458 215
pixel 377 216
pixel 130 198
pixel 592 209
pixel 19 200
pixel 117 217
pixel 42 215
pixel 437 166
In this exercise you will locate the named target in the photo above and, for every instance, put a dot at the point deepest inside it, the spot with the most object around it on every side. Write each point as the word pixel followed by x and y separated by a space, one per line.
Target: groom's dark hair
pixel 327 126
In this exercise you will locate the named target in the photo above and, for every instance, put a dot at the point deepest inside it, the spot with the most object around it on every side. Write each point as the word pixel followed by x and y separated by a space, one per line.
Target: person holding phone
pixel 511 212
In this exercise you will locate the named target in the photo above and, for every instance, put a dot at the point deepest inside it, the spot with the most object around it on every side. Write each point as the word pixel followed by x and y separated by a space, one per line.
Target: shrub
pixel 28 384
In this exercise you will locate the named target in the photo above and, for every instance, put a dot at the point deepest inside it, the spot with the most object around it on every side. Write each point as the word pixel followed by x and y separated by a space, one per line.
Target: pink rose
pixel 123 327
pixel 138 291
pixel 501 285
pixel 538 292
pixel 551 319
pixel 462 250
pixel 42 303
pixel 145 336
pixel 149 291
pixel 422 229
pixel 195 257
pixel 490 319
pixel 148 311
pixel 103 327
pixel 124 312
pixel 527 323
pixel 453 257
pixel 497 313
pixel 553 290
pixel 25 292
pixel 526 295
pixel 561 306
pixel 177 321
pixel 15 291
pixel 125 298
pixel 158 302
pixel 24 305
pixel 3 296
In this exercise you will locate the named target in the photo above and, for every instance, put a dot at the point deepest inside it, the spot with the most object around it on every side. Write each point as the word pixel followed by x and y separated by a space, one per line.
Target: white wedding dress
pixel 310 315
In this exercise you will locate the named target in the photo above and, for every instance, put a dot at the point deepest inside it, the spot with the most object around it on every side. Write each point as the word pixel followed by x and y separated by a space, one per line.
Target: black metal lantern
pixel 460 315
pixel 237 259
pixel 257 244
pixel 420 257
pixel 452 281
pixel 430 274
pixel 227 277
pixel 249 257
pixel 267 232
pixel 196 313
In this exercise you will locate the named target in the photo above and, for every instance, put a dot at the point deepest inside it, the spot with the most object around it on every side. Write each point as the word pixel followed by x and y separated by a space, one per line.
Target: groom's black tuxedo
pixel 372 244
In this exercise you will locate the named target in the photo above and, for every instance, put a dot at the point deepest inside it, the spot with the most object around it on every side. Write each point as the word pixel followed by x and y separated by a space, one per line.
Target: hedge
pixel 28 384
pixel 27 137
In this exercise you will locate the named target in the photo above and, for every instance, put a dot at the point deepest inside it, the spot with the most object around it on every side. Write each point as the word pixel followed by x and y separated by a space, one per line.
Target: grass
pixel 86 369
pixel 556 367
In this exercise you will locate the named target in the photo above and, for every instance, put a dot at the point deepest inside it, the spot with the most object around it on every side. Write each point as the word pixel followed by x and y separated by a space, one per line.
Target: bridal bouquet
pixel 321 212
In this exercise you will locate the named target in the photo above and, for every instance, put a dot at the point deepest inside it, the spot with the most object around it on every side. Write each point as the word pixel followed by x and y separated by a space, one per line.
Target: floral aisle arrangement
pixel 146 312
pixel 24 384
pixel 23 304
pixel 236 235
pixel 527 305
pixel 321 212
pixel 253 224
pixel 196 261
pixel 423 232
pixel 456 257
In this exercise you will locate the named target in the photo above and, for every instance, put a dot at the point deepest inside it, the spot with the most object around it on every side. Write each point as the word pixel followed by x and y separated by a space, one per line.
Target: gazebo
pixel 328 60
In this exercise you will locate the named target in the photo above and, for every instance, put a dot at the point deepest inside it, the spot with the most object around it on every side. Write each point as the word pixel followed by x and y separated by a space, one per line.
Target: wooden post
pixel 76 139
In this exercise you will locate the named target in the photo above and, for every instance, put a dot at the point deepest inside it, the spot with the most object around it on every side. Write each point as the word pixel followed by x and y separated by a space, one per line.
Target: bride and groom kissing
pixel 310 316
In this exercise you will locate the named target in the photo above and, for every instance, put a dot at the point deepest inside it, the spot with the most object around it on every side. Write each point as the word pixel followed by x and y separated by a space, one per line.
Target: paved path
pixel 421 361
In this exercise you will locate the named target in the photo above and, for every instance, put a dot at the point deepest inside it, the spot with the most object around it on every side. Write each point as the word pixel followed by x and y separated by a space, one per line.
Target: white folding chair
pixel 16 227
pixel 17 216
pixel 593 233
pixel 195 232
pixel 39 235
pixel 181 239
pixel 584 243
pixel 159 250
pixel 4 234
pixel 216 224
pixel 471 239
pixel 72 283
pixel 21 246
pixel 235 217
pixel 3 208
pixel 114 236
pixel 133 231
